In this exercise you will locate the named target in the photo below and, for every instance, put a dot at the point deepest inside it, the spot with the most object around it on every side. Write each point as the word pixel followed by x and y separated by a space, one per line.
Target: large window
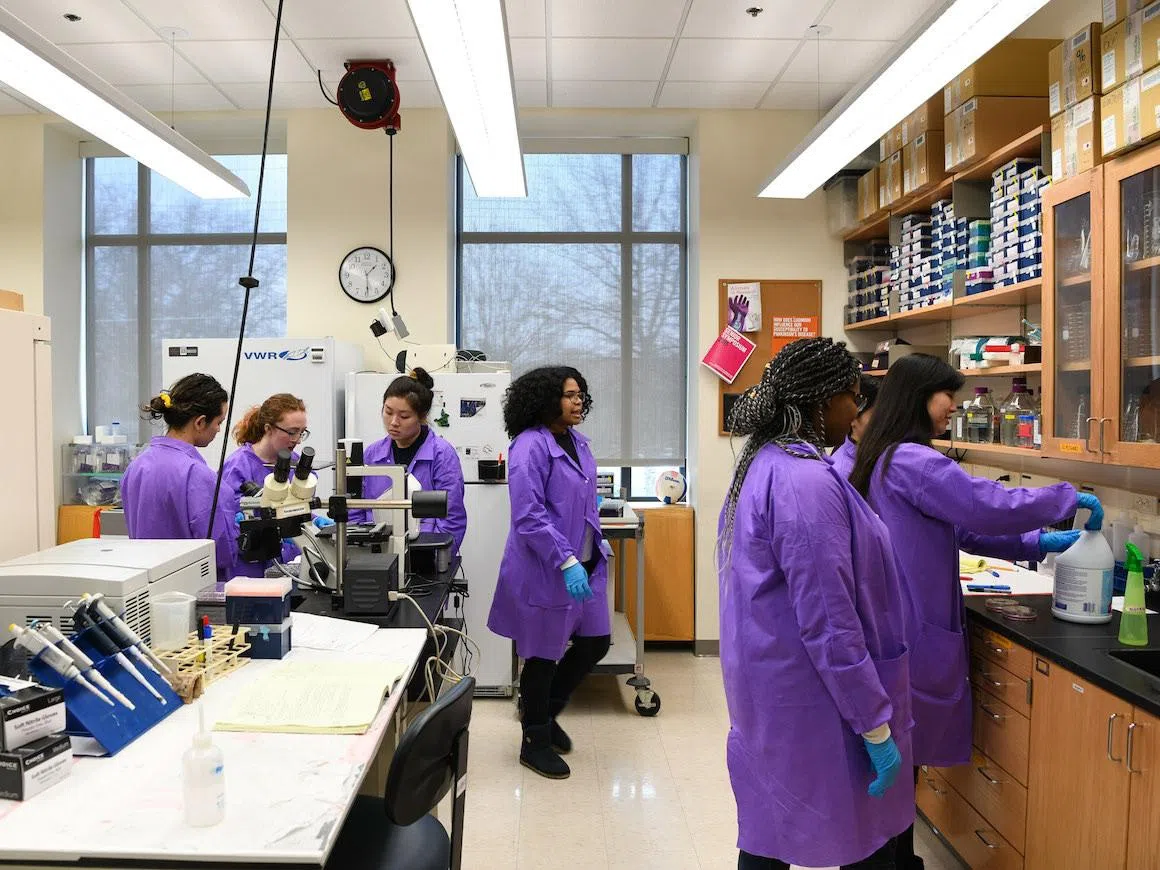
pixel 161 263
pixel 589 270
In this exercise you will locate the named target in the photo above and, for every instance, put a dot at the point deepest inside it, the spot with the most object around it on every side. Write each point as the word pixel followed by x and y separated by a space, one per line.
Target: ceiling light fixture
pixel 466 43
pixel 954 35
pixel 36 68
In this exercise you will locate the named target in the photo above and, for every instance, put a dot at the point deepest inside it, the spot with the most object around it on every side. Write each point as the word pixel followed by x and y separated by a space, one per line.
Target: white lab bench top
pixel 286 794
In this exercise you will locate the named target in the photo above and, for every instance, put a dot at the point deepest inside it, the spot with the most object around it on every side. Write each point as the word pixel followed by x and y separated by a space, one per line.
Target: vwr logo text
pixel 288 355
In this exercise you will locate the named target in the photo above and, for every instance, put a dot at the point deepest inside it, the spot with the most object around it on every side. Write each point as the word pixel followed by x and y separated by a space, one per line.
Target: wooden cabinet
pixel 1002 734
pixel 995 648
pixel 969 834
pixel 668 573
pixel 1012 690
pixel 1077 799
pixel 1142 763
pixel 994 794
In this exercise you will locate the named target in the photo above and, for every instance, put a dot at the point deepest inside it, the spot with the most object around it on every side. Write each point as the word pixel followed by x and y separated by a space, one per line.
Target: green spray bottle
pixel 1134 621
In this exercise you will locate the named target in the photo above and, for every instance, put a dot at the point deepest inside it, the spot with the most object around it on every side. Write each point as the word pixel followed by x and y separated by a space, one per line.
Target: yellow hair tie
pixel 165 400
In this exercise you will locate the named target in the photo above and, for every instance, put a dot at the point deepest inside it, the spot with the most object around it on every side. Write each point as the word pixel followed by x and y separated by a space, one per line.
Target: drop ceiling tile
pixel 330 54
pixel 529 59
pixel 531 95
pixel 782 19
pixel 101 20
pixel 889 21
pixel 209 19
pixel 841 61
pixel 185 98
pixel 602 94
pixel 608 18
pixel 11 106
pixel 711 95
pixel 288 95
pixel 804 95
pixel 338 19
pixel 730 60
pixel 136 63
pixel 609 59
pixel 525 17
pixel 418 95
pixel 246 60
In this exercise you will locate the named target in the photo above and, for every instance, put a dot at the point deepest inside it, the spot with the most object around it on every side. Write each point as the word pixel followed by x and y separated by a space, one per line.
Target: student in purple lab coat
pixel 279 423
pixel 168 490
pixel 813 629
pixel 410 442
pixel 843 457
pixel 933 508
pixel 551 597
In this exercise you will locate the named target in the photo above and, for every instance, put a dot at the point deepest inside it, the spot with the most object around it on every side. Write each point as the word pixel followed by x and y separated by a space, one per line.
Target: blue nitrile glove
pixel 576 579
pixel 1090 502
pixel 322 522
pixel 599 501
pixel 887 761
pixel 1057 542
pixel 239 516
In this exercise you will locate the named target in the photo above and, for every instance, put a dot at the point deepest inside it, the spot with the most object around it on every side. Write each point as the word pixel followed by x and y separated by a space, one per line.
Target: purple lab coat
pixel 242 465
pixel 553 504
pixel 843 458
pixel 932 507
pixel 167 492
pixel 435 466
pixel 813 650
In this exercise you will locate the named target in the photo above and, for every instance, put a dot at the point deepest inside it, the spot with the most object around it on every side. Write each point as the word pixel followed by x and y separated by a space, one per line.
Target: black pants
pixel 883 859
pixel 546 686
pixel 904 855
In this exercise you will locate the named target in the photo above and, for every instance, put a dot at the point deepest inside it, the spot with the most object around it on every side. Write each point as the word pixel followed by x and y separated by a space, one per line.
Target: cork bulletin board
pixel 789 310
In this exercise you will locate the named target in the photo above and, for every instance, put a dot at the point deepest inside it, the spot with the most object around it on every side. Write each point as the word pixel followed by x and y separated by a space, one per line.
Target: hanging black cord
pixel 325 93
pixel 391 218
pixel 249 282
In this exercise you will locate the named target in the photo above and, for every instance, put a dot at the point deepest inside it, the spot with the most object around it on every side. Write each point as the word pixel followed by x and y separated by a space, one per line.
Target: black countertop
pixel 1079 648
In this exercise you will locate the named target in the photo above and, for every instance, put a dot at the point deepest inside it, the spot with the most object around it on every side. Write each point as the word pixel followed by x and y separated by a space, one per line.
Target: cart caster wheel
pixel 648 703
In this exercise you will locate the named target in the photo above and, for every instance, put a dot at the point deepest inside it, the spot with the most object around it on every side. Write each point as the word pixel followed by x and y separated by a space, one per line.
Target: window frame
pixel 144 240
pixel 626 237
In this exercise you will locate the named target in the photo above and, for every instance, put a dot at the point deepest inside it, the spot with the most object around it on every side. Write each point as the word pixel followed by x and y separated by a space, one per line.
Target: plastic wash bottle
pixel 1134 621
pixel 203 779
pixel 1083 580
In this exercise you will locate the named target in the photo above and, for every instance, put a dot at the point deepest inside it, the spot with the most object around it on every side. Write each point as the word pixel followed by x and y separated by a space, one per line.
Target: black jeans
pixel 546 686
pixel 883 859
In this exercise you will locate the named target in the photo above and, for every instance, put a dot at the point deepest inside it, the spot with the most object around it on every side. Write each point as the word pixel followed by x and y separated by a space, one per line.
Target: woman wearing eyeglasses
pixel 551 597
pixel 278 424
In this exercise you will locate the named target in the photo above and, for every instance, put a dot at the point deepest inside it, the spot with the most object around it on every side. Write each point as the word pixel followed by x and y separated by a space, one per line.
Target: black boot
pixel 561 742
pixel 536 753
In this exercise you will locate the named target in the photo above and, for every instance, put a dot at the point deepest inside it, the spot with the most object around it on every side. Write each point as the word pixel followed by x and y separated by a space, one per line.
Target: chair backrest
pixel 430 757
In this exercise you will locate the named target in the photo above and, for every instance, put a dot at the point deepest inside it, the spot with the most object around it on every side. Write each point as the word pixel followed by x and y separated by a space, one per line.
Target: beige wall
pixel 22 208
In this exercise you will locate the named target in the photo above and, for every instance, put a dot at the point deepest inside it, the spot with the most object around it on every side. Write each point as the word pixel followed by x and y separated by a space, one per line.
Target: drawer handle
pixel 983 771
pixel 991 712
pixel 986 842
pixel 938 791
pixel 998 650
pixel 990 679
pixel 1131 741
pixel 1112 737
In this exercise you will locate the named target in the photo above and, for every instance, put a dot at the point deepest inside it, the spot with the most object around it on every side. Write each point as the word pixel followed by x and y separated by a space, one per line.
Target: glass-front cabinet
pixel 1073 334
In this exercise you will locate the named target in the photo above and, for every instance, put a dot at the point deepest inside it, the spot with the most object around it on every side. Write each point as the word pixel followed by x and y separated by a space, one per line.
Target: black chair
pixel 397 831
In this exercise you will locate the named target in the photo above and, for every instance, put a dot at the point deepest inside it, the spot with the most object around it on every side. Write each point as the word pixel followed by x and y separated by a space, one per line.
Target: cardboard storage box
pixel 1075 140
pixel 868 194
pixel 1118 10
pixel 891 143
pixel 922 162
pixel 11 300
pixel 1128 114
pixel 1129 48
pixel 1073 69
pixel 1013 68
pixel 928 116
pixel 985 124
pixel 890 180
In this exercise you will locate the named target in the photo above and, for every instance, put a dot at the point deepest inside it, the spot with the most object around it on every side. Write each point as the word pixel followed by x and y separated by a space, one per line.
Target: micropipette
pixel 53 658
pixel 83 621
pixel 136 645
pixel 82 661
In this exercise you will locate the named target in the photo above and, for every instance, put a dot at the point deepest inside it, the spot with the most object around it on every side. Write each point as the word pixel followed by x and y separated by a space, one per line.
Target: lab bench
pixel 1065 768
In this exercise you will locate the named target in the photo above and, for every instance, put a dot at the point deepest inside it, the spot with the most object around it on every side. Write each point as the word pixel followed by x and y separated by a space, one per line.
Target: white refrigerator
pixel 468 412
pixel 314 369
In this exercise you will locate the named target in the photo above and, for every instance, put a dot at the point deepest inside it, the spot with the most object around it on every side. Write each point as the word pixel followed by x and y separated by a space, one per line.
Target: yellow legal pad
pixel 331 697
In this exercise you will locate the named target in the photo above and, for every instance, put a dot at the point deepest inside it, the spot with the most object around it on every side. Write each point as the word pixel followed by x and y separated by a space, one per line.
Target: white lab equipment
pixel 28 515
pixel 488 520
pixel 313 369
pixel 1083 581
pixel 128 572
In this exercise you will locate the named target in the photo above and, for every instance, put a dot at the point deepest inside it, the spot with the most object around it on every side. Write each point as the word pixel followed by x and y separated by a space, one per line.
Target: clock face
pixel 366 274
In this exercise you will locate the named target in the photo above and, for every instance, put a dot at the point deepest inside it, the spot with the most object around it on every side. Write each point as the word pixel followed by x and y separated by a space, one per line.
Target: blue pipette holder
pixel 87 715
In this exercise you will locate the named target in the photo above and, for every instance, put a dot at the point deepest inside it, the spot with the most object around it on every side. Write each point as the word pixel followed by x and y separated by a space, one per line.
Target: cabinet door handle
pixel 1088 441
pixel 1112 736
pixel 979 833
pixel 1102 422
pixel 938 791
pixel 983 772
pixel 1029 691
pixel 991 712
pixel 1131 741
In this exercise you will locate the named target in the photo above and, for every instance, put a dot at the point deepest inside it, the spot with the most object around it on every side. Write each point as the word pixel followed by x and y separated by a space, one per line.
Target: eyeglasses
pixel 298 435
pixel 573 396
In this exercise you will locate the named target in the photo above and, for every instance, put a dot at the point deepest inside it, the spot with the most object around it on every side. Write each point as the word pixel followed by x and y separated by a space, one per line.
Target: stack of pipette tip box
pixel 262 605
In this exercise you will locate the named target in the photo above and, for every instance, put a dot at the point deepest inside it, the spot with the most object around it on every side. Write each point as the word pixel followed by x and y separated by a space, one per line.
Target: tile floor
pixel 646 794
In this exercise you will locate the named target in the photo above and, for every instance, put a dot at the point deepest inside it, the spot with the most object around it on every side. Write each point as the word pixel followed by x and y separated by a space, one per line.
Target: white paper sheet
pixel 326 633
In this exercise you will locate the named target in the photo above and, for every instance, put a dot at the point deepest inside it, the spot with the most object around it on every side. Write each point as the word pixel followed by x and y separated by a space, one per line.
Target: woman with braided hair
pixel 812 631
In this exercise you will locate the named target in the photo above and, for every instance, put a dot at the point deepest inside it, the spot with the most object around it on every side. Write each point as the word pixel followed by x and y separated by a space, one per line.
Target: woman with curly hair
pixel 551 597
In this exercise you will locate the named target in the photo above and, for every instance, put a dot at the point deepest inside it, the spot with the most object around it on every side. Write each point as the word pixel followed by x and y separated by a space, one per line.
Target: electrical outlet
pixel 1145 505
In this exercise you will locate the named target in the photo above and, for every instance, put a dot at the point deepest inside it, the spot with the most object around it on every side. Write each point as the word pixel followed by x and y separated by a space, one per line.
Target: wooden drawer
pixel 996 680
pixel 1002 734
pixel 1002 651
pixel 994 794
pixel 976 842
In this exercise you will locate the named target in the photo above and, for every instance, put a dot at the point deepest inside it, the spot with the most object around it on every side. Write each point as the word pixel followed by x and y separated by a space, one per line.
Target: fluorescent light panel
pixel 39 70
pixel 467 48
pixel 959 33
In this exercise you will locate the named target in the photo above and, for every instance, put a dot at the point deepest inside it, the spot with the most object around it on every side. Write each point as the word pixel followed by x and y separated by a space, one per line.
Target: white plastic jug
pixel 1083 580
pixel 171 617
